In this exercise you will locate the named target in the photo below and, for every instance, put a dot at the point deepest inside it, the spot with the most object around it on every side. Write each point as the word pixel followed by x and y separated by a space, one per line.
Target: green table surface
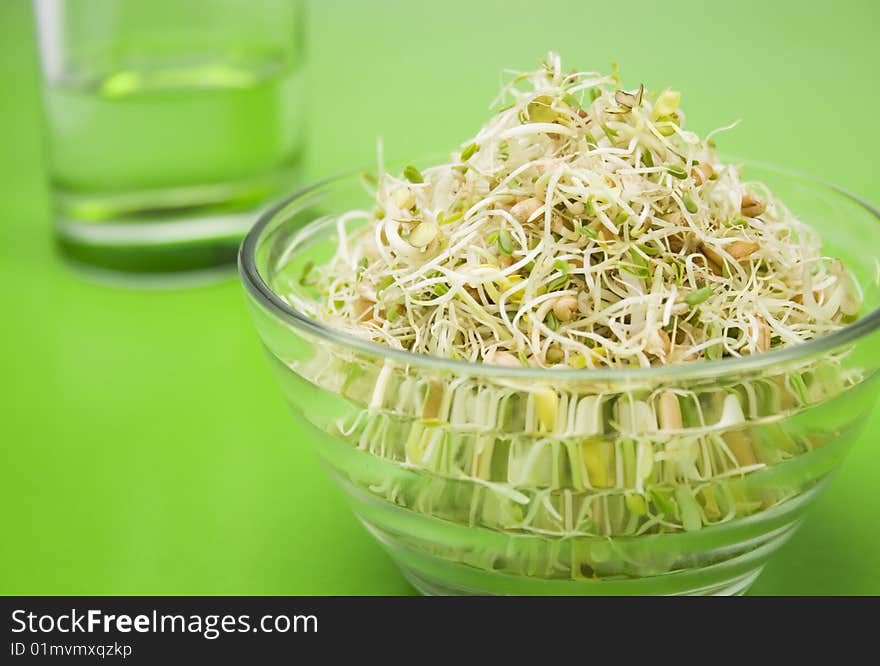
pixel 146 448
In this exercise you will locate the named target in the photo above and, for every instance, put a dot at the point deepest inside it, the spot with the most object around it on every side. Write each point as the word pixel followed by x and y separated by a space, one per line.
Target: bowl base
pixel 428 587
pixel 441 558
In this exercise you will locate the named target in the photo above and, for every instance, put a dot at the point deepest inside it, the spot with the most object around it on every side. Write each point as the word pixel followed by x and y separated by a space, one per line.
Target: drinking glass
pixel 170 124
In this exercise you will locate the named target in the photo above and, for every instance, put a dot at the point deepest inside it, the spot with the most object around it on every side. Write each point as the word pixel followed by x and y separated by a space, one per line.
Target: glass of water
pixel 170 125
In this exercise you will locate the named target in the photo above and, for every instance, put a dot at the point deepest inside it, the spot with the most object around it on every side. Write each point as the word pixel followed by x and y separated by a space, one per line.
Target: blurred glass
pixel 170 124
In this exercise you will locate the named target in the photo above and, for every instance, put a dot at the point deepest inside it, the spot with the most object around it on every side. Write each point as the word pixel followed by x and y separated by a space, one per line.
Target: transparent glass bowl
pixel 490 480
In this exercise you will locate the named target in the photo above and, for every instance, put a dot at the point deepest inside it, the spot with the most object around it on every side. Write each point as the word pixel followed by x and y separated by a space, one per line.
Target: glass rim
pixel 266 297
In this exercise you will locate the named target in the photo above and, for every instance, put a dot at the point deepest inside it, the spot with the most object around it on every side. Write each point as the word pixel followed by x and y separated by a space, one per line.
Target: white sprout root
pixel 583 226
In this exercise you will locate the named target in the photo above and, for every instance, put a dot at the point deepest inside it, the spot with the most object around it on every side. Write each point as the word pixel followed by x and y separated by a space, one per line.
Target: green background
pixel 146 449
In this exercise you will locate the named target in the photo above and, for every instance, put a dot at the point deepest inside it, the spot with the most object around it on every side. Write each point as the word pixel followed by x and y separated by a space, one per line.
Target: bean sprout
pixel 582 226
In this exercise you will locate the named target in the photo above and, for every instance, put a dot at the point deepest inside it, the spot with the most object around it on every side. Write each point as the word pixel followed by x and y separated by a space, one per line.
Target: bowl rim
pixel 266 297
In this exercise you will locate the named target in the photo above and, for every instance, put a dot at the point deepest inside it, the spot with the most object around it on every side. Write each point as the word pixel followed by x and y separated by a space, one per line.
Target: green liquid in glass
pixel 191 143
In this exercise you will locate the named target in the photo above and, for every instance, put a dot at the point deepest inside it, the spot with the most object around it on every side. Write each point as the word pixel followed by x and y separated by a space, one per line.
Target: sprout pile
pixel 583 226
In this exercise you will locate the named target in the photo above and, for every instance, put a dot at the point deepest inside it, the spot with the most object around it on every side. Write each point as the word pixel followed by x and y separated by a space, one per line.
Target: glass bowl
pixel 481 479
